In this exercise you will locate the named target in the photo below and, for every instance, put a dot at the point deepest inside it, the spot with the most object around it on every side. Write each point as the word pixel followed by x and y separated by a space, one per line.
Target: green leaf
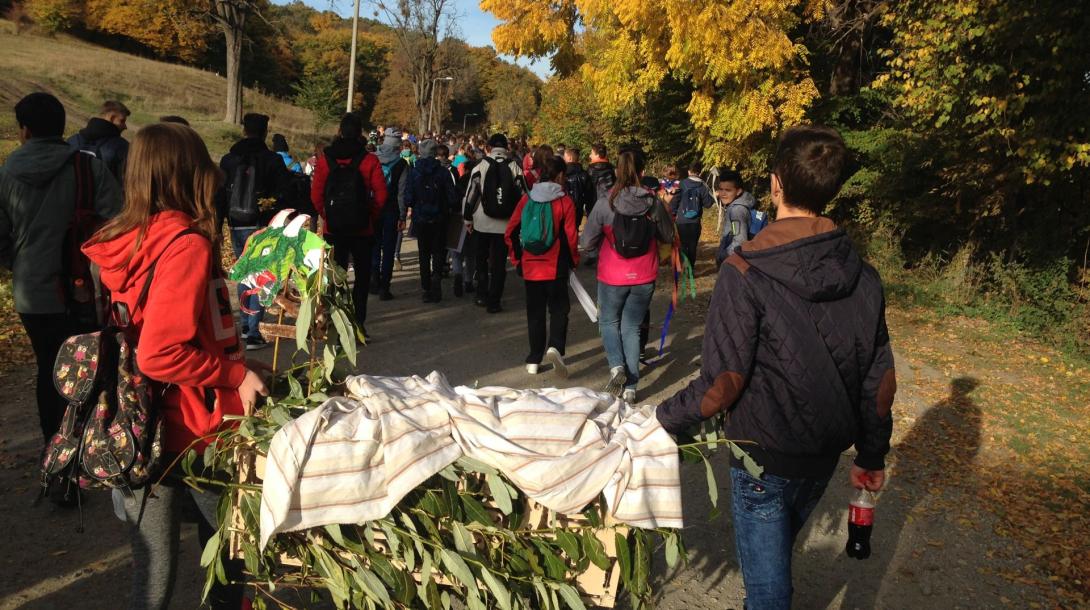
pixel 459 569
pixel 302 324
pixel 753 468
pixel 500 492
pixel 672 549
pixel 475 511
pixel 500 592
pixel 346 332
pixel 372 585
pixel 463 540
pixel 211 550
pixel 713 487
pixel 594 549
pixel 334 532
pixel 641 562
pixel 569 543
pixel 624 558
pixel 542 592
pixel 571 596
pixel 296 390
pixel 554 566
pixel 329 360
pixel 473 465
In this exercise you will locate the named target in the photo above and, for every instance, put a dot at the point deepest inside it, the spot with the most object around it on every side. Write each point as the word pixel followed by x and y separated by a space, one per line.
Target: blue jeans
pixel 249 322
pixel 768 514
pixel 622 309
pixel 382 254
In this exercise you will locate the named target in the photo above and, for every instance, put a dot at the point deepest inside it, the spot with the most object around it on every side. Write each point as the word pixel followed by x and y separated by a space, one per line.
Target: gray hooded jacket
pixel 632 201
pixel 37 201
pixel 736 229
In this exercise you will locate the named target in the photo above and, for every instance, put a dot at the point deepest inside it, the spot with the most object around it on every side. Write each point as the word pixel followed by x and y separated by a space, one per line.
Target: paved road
pixel 46 564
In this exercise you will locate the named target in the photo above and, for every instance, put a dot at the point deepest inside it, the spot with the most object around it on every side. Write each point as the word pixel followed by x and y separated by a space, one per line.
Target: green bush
pixel 54 16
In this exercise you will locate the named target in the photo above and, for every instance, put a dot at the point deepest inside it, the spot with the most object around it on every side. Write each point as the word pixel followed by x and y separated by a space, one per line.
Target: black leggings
pixel 47 332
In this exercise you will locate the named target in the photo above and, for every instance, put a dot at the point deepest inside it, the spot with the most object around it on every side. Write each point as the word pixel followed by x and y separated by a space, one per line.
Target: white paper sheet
pixel 583 298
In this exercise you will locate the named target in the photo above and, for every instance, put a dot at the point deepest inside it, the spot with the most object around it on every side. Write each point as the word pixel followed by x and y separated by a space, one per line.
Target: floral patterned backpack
pixel 110 434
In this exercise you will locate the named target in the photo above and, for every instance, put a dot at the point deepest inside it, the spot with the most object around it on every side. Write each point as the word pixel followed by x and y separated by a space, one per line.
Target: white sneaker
pixel 531 369
pixel 552 356
pixel 617 377
pixel 629 396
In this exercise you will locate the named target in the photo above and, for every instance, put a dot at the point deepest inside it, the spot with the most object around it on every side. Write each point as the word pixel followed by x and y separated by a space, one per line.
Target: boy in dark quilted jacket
pixel 797 354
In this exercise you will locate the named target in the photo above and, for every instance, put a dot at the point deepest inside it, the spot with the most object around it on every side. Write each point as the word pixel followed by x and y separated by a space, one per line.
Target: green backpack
pixel 536 230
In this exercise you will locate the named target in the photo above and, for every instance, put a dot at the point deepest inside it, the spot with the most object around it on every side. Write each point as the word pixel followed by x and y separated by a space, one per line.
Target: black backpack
pixel 347 199
pixel 429 195
pixel 85 299
pixel 243 209
pixel 690 206
pixel 632 235
pixel 501 190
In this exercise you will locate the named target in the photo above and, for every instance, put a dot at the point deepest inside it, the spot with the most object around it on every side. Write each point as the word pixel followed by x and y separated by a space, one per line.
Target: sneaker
pixel 531 369
pixel 479 302
pixel 552 356
pixel 385 295
pixel 459 288
pixel 629 396
pixel 254 343
pixel 617 377
pixel 494 309
pixel 428 296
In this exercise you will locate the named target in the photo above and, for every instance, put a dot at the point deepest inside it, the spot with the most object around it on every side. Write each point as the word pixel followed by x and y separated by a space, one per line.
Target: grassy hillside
pixel 83 75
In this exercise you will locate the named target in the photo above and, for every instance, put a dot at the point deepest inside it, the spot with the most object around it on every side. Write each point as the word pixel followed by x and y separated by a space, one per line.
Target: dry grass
pixel 82 75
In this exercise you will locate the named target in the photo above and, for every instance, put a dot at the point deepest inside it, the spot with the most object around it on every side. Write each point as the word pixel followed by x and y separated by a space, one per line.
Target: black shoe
pixel 375 286
pixel 254 342
pixel 459 288
pixel 385 295
pixel 479 302
pixel 494 309
pixel 437 293
pixel 428 297
pixel 470 288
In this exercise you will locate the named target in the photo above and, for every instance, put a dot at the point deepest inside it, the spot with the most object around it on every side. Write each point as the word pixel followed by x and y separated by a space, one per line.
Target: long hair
pixel 627 175
pixel 168 169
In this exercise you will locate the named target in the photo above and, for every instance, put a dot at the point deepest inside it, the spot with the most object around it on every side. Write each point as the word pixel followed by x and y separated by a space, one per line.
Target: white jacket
pixel 483 223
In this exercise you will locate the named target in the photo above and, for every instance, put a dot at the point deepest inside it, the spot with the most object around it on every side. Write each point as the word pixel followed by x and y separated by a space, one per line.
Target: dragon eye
pixel 266 251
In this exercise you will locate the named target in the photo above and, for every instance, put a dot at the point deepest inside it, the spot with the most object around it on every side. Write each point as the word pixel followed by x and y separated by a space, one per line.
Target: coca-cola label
pixel 860 515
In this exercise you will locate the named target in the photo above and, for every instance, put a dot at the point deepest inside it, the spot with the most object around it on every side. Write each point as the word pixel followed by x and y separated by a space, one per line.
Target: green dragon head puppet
pixel 274 253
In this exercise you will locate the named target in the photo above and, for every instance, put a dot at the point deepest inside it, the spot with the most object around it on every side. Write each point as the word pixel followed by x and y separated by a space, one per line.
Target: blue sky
pixel 475 25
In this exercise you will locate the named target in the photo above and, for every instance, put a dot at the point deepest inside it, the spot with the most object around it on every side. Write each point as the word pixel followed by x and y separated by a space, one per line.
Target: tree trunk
pixel 231 15
pixel 234 75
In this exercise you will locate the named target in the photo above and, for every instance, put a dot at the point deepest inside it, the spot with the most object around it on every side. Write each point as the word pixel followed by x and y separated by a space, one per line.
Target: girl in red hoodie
pixel 546 275
pixel 165 238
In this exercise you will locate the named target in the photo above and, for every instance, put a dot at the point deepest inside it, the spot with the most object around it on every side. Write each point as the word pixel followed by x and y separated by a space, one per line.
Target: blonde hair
pixel 168 169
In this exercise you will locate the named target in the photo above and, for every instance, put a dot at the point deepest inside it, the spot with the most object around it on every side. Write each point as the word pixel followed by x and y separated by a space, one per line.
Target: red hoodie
pixel 547 266
pixel 188 337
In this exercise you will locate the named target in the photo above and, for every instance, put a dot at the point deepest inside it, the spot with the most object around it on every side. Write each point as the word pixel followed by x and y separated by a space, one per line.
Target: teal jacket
pixel 37 201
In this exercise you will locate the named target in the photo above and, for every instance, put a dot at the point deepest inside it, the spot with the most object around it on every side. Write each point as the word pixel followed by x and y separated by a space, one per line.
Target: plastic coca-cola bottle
pixel 860 524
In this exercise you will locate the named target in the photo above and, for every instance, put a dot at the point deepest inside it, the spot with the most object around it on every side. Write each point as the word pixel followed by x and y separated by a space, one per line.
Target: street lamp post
pixel 466 116
pixel 352 60
pixel 431 108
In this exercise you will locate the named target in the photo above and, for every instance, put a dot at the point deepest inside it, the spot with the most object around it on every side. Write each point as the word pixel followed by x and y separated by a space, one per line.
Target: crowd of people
pixel 795 345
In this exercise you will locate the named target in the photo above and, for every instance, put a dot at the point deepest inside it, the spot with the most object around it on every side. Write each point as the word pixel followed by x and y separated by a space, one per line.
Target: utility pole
pixel 464 118
pixel 352 60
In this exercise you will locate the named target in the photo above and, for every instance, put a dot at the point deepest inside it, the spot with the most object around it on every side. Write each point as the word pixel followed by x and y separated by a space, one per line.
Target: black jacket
pixel 103 139
pixel 796 351
pixel 273 177
pixel 604 176
pixel 581 189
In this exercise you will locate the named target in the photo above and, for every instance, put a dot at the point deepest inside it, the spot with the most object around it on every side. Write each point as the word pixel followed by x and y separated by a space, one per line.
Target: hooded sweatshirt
pixel 737 226
pixel 188 340
pixel 37 202
pixel 614 269
pixel 272 177
pixel 797 352
pixel 389 155
pixel 483 223
pixel 103 139
pixel 604 176
pixel 343 151
pixel 428 171
pixel 559 259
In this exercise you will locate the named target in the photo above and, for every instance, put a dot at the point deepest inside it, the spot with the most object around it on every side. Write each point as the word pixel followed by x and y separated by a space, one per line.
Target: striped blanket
pixel 354 458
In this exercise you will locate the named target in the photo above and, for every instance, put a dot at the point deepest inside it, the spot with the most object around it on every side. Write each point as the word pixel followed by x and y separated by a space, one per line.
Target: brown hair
pixel 168 168
pixel 111 107
pixel 810 163
pixel 542 155
pixel 627 174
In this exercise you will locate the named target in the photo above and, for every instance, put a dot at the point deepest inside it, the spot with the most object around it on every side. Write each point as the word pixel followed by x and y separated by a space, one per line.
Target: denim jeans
pixel 622 310
pixel 382 254
pixel 249 321
pixel 768 514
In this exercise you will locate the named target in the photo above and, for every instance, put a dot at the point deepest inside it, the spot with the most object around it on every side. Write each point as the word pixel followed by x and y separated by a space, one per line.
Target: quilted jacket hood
pixel 811 257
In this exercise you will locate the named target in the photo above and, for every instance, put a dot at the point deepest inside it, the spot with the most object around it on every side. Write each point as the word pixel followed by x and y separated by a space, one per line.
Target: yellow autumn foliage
pixel 749 78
